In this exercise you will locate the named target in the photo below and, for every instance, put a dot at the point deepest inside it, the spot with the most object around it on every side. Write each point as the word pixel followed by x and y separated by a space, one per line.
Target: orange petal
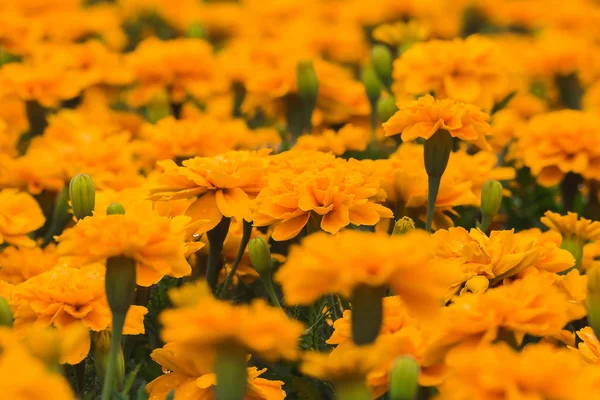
pixel 335 220
pixel 233 202
pixel 290 228
pixel 205 208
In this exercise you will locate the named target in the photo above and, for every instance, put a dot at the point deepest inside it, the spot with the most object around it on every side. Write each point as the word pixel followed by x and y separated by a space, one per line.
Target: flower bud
pixel 115 208
pixel 491 198
pixel 120 283
pixel 371 82
pixel 382 62
pixel 83 195
pixel 593 298
pixel 260 255
pixel 386 108
pixel 404 378
pixel 436 153
pixel 308 84
pixel 404 225
pixel 367 313
pixel 6 317
pixel 196 31
pixel 102 353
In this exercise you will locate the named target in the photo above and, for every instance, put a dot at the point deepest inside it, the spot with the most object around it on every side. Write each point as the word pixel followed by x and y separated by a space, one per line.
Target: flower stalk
pixel 367 313
pixel 246 233
pixel 436 155
pixel 355 389
pixel 216 238
pixel 230 368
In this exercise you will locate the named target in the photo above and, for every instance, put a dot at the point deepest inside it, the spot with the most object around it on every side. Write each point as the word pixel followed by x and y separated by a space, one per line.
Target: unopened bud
pixel 593 298
pixel 308 84
pixel 83 195
pixel 102 341
pixel 196 31
pixel 371 82
pixel 115 208
pixel 386 108
pixel 6 317
pixel 260 255
pixel 404 225
pixel 404 378
pixel 382 62
pixel 120 283
pixel 491 198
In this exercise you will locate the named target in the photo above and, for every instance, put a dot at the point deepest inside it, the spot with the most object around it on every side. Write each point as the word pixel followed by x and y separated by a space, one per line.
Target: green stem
pixel 246 234
pixel 60 216
pixel 271 292
pixel 367 313
pixel 333 304
pixel 118 322
pixel 230 368
pixel 432 192
pixel 485 223
pixel 216 238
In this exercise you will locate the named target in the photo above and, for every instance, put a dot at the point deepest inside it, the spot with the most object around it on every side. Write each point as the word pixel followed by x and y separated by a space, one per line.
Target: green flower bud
pixel 196 31
pixel 367 313
pixel 260 255
pixel 83 195
pixel 593 298
pixel 404 225
pixel 404 378
pixel 308 84
pixel 230 369
pixel 372 83
pixel 120 283
pixel 6 317
pixel 386 108
pixel 491 198
pixel 353 389
pixel 381 57
pixel 102 341
pixel 115 208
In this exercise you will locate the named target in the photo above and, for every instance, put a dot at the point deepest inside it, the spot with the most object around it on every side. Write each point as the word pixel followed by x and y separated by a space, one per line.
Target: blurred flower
pixel 20 215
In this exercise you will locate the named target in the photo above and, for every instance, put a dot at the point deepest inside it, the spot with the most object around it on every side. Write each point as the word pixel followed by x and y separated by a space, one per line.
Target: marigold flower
pixel 349 138
pixel 226 184
pixel 470 70
pixel 559 142
pixel 258 328
pixel 21 263
pixel 312 270
pixel 336 192
pixel 540 371
pixel 156 243
pixel 571 225
pixel 20 214
pixel 192 377
pixel 423 117
pixel 65 296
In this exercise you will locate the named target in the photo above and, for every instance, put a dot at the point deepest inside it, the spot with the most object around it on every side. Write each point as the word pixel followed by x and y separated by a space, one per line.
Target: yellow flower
pixel 349 138
pixel 227 184
pixel 304 184
pixel 258 328
pixel 423 117
pixel 20 214
pixel 403 263
pixel 26 378
pixel 571 225
pixel 192 377
pixel 539 372
pixel 589 347
pixel 470 70
pixel 21 263
pixel 395 34
pixel 66 296
pixel 559 142
pixel 156 243
pixel 532 305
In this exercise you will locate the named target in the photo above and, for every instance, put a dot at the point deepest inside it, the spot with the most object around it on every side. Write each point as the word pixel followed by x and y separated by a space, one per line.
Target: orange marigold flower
pixel 157 244
pixel 313 270
pixel 541 371
pixel 304 184
pixel 559 142
pixel 532 305
pixel 21 263
pixel 349 138
pixel 258 328
pixel 192 377
pixel 65 296
pixel 571 225
pixel 470 70
pixel 20 214
pixel 423 117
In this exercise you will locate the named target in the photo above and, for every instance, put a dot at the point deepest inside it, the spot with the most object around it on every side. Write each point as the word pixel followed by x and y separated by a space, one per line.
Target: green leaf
pixel 171 395
pixel 131 379
pixel 503 103
pixel 141 393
